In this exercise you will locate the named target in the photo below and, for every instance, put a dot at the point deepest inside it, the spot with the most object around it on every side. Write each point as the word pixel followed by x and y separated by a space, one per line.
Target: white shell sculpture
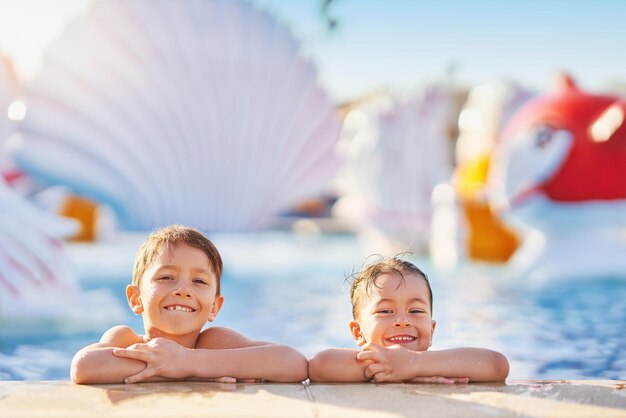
pixel 196 112
pixel 36 276
pixel 397 152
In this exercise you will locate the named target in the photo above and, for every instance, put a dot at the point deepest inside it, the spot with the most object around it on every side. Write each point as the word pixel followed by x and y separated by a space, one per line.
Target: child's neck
pixel 186 340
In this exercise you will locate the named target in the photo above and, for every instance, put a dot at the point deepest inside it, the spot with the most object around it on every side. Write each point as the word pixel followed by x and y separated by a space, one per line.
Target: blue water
pixel 290 289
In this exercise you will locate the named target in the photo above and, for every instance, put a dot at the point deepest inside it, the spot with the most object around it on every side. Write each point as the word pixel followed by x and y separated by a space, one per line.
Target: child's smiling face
pixel 177 294
pixel 395 312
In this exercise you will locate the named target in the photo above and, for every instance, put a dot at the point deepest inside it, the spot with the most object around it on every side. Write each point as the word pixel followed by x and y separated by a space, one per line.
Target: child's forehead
pixel 180 251
pixel 171 247
pixel 394 284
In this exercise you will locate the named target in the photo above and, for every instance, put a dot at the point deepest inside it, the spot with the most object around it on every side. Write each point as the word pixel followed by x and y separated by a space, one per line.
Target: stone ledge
pixel 516 398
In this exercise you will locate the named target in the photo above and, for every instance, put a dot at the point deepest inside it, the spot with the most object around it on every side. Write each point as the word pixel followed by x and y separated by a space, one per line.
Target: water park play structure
pixel 201 113
pixel 397 149
pixel 560 172
pixel 487 109
pixel 37 280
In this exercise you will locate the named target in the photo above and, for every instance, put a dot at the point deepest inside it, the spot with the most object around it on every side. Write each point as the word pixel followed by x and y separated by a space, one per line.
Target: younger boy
pixel 176 289
pixel 392 310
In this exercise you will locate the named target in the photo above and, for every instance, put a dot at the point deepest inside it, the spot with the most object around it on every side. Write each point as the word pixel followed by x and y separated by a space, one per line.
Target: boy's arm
pixel 231 354
pixel 399 364
pixel 219 352
pixel 96 363
pixel 341 365
pixel 338 365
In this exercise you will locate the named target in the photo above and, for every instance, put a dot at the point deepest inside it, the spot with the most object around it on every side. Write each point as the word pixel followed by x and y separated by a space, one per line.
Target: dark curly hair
pixel 362 282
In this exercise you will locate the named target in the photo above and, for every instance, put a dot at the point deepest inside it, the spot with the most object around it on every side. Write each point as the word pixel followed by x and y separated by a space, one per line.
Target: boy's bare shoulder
pixel 121 336
pixel 224 338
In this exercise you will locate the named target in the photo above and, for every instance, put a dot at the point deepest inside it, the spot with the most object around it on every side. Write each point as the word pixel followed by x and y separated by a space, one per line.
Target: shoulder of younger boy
pixel 224 338
pixel 121 336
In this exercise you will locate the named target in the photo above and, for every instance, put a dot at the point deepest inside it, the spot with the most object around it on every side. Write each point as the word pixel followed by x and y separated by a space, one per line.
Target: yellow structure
pixel 84 211
pixel 488 238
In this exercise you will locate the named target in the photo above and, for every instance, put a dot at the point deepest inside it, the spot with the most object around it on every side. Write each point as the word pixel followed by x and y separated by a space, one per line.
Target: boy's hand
pixel 163 358
pixel 388 364
pixel 397 364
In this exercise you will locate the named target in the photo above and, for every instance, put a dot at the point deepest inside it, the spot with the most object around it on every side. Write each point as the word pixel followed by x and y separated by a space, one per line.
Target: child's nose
pixel 401 321
pixel 182 289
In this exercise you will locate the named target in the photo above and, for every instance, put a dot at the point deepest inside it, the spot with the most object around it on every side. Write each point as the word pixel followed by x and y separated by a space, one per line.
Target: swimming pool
pixel 290 288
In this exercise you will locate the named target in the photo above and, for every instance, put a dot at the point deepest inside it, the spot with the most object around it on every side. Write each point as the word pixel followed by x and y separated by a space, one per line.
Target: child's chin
pixel 409 345
pixel 178 328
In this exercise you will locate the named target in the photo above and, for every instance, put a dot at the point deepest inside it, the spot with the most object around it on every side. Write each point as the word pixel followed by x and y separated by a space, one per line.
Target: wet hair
pixel 361 283
pixel 171 237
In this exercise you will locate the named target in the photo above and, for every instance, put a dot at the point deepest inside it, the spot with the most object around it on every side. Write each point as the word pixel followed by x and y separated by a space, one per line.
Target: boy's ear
pixel 432 332
pixel 134 299
pixel 355 330
pixel 217 305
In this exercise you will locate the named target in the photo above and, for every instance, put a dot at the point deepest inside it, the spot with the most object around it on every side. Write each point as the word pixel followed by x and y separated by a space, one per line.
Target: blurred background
pixel 483 140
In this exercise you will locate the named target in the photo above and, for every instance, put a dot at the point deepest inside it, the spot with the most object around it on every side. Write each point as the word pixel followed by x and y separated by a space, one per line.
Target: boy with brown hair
pixel 176 289
pixel 392 323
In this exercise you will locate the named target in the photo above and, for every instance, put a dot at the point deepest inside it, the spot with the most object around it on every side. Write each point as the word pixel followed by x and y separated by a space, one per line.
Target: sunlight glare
pixel 606 125
pixel 16 111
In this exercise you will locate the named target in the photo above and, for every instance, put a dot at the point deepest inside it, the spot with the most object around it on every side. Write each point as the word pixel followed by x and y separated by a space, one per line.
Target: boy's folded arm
pixel 477 364
pixel 220 354
pixel 337 365
pixel 96 363
pixel 231 354
pixel 269 362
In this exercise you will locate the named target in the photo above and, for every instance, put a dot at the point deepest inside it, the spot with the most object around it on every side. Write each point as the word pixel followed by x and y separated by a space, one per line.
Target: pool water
pixel 290 289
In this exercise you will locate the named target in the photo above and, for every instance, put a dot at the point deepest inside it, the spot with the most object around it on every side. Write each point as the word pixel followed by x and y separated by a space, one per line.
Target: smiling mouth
pixel 180 308
pixel 401 339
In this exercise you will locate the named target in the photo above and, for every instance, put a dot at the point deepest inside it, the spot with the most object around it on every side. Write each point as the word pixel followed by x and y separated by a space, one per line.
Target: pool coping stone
pixel 515 398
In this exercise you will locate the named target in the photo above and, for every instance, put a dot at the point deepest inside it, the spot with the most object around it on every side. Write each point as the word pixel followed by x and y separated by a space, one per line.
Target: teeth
pixel 179 308
pixel 402 338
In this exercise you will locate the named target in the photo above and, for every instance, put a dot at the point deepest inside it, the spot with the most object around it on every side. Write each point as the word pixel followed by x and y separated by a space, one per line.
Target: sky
pixel 401 45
